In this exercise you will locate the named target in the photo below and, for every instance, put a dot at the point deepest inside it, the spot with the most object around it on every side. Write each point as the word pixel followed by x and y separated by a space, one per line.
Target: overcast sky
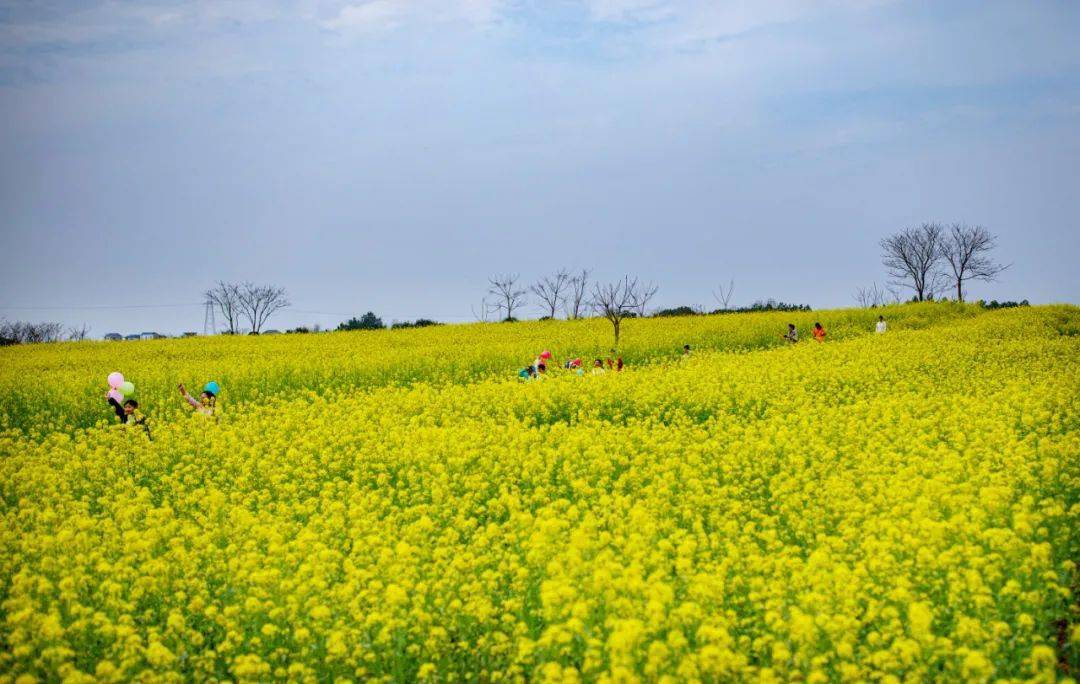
pixel 391 154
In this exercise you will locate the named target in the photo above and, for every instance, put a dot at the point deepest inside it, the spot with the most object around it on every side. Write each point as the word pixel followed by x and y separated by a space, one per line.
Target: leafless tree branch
pixel 912 257
pixel 78 334
pixel 870 296
pixel 21 332
pixel 508 296
pixel 482 315
pixel 894 294
pixel 259 302
pixel 226 298
pixel 615 301
pixel 722 296
pixel 575 301
pixel 966 250
pixel 550 290
pixel 642 298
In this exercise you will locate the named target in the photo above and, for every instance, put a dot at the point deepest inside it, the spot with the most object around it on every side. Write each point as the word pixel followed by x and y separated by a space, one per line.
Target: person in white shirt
pixel 880 328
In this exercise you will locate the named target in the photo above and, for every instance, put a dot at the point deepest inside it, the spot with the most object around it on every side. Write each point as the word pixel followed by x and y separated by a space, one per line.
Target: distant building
pixel 190 334
pixel 152 336
pixel 114 337
pixel 133 337
pixel 271 332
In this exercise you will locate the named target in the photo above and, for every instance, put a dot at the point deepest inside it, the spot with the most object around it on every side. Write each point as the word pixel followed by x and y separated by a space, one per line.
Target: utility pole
pixel 209 326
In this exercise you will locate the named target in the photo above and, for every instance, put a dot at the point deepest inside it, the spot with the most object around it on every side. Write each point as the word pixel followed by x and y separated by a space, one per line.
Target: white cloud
pixel 689 21
pixel 384 15
pixel 631 11
pixel 376 15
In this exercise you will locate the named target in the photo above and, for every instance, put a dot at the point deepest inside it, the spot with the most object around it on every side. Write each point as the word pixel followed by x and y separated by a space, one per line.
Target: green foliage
pixel 995 304
pixel 418 323
pixel 677 311
pixel 368 321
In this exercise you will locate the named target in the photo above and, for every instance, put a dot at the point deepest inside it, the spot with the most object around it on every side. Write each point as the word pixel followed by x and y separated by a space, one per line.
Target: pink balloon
pixel 116 378
pixel 115 394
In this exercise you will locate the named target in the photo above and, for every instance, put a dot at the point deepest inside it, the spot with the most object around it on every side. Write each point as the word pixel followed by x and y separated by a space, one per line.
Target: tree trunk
pixel 959 290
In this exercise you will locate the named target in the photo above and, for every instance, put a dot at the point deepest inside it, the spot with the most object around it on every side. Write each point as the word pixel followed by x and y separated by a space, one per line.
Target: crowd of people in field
pixel 127 410
pixel 539 367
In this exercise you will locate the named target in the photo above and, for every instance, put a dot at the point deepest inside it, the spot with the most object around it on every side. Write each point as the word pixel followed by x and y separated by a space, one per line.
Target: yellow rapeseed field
pixel 398 506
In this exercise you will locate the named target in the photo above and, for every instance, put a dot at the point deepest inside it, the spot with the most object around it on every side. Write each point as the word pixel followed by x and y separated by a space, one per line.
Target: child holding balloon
pixel 119 389
pixel 123 404
pixel 207 401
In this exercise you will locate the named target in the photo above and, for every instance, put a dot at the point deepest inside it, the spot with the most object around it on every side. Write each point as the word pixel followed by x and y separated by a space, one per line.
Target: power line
pixel 321 313
pixel 89 307
pixel 338 313
pixel 96 306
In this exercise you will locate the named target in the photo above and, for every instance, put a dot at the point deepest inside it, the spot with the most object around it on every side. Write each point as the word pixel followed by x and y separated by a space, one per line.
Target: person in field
pixel 598 367
pixel 527 373
pixel 574 366
pixel 880 327
pixel 686 351
pixel 614 361
pixel 205 404
pixel 128 414
pixel 541 360
pixel 132 416
pixel 819 333
pixel 792 335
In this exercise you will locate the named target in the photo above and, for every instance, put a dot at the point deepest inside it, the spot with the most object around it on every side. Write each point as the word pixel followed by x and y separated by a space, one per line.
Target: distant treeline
pixel 370 321
pixel 767 305
pixel 24 332
pixel 995 304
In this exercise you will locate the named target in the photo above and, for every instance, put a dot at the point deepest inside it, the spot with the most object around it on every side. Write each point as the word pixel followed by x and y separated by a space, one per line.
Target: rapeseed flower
pixel 879 507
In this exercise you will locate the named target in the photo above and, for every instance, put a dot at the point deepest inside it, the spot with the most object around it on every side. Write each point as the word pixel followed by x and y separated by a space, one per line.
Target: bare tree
pixel 78 334
pixel 644 294
pixel 894 295
pixel 615 301
pixel 482 315
pixel 575 301
pixel 549 290
pixel 259 302
pixel 965 250
pixel 22 332
pixel 870 296
pixel 862 298
pixel 227 298
pixel 508 296
pixel 912 257
pixel 722 296
pixel 935 286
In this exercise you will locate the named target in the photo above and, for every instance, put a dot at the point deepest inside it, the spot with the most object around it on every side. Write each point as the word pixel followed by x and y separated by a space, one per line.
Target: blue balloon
pixel 211 387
